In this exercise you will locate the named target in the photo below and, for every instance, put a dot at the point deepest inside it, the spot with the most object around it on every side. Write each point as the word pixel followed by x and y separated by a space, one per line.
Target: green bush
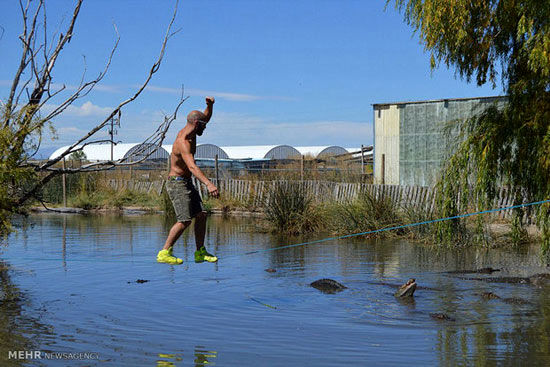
pixel 290 209
pixel 367 213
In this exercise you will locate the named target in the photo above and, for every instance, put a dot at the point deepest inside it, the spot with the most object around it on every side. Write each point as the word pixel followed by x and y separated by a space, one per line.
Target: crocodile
pixel 441 317
pixel 407 289
pixel 538 280
pixel 511 300
pixel 328 286
pixel 487 270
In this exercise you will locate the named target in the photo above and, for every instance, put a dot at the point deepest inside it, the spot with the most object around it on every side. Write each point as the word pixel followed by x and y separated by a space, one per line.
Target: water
pixel 69 285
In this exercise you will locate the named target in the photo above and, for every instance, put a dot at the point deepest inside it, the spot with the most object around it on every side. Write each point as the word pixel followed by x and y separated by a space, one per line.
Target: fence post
pixel 302 167
pixel 217 171
pixel 64 184
pixel 362 160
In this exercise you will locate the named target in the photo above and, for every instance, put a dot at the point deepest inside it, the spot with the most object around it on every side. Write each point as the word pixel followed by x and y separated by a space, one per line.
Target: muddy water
pixel 69 286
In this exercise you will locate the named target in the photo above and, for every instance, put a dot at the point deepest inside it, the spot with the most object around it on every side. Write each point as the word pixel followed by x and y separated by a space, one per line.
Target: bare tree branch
pixel 26 38
pixel 116 110
pixel 41 74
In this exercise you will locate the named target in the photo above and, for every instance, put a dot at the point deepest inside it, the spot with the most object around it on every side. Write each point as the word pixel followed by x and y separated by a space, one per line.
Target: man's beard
pixel 200 129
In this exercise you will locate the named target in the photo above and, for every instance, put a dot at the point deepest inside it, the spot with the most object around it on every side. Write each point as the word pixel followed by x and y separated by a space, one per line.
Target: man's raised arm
pixel 209 107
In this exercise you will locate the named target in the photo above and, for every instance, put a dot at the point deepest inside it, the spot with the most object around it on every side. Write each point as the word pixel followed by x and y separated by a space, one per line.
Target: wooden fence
pixel 254 193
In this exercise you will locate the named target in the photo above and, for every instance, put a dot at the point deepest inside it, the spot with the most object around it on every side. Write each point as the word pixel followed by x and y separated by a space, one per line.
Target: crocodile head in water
pixel 407 289
pixel 328 285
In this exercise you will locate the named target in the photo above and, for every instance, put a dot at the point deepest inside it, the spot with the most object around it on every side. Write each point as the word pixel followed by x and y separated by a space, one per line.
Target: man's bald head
pixel 198 120
pixel 195 116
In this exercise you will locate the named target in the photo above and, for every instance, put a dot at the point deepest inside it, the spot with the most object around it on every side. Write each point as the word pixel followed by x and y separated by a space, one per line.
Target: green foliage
pixel 78 156
pixel 367 213
pixel 289 208
pixel 15 178
pixel 504 145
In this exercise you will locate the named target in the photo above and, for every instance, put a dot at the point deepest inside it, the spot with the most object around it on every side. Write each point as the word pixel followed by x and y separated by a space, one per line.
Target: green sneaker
pixel 202 255
pixel 165 256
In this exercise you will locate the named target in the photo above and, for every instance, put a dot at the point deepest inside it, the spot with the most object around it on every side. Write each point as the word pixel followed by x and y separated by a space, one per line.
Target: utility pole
pixel 64 184
pixel 112 132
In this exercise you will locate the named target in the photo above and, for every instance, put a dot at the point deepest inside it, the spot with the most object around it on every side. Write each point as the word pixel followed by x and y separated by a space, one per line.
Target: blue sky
pixel 283 72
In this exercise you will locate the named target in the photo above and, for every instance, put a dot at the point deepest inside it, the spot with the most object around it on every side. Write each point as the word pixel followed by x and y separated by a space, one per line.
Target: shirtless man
pixel 184 196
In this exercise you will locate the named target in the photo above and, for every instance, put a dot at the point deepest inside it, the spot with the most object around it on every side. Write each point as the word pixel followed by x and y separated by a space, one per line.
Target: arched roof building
pixel 102 152
pixel 138 151
pixel 210 151
pixel 322 151
pixel 262 152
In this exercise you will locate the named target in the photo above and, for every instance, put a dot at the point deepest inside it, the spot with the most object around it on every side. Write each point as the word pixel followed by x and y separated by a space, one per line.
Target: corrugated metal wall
pixel 282 152
pixel 141 150
pixel 331 151
pixel 425 136
pixel 210 151
pixel 424 145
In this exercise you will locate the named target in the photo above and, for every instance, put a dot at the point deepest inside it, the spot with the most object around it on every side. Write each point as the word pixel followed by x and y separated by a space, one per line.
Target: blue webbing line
pixel 316 241
pixel 398 227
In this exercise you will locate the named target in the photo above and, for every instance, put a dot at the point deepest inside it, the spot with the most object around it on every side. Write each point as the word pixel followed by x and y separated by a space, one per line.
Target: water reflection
pixel 100 307
pixel 201 357
pixel 20 330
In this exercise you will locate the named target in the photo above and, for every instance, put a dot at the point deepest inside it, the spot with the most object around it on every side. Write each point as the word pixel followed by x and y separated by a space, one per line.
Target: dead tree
pixel 23 119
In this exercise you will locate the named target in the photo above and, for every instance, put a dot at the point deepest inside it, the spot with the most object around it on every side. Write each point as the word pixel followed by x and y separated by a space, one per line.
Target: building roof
pixel 102 152
pixel 248 152
pixel 375 105
pixel 99 152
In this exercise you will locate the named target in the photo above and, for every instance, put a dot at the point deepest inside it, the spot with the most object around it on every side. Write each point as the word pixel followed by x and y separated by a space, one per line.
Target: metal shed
pixel 138 151
pixel 410 142
pixel 210 151
pixel 282 152
pixel 331 151
pixel 321 151
pixel 261 151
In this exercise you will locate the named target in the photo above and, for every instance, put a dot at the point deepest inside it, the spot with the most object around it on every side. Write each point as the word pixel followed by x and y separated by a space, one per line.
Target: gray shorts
pixel 185 198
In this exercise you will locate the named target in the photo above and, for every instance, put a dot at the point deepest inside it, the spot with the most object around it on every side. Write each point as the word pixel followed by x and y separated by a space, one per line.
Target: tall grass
pixel 290 209
pixel 368 212
pixel 92 191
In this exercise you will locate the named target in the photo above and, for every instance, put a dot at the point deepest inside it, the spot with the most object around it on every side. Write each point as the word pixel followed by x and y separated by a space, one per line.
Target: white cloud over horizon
pixel 87 109
pixel 230 96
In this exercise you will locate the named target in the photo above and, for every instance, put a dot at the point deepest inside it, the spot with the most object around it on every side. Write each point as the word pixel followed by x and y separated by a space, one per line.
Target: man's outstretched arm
pixel 209 107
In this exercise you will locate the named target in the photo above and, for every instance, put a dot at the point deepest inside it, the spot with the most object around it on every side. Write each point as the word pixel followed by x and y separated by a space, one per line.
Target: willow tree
pixel 484 41
pixel 23 116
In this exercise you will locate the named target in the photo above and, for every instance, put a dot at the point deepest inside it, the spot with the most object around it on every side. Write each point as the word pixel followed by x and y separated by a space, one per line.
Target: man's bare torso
pixel 177 164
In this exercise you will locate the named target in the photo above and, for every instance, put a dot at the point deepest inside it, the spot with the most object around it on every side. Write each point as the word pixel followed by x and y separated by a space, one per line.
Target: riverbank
pixel 139 210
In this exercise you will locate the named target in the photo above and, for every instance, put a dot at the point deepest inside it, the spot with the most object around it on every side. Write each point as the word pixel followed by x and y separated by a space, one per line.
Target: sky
pixel 296 72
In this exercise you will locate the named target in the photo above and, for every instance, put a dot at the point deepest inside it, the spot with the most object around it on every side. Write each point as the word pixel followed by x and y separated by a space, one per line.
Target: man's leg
pixel 175 233
pixel 165 255
pixel 200 229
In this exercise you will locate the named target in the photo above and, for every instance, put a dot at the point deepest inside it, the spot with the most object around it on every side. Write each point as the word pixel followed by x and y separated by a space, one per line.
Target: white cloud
pixel 230 96
pixel 87 109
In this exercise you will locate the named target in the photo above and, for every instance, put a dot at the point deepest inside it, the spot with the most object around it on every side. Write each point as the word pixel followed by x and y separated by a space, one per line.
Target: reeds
pixel 290 209
pixel 369 212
